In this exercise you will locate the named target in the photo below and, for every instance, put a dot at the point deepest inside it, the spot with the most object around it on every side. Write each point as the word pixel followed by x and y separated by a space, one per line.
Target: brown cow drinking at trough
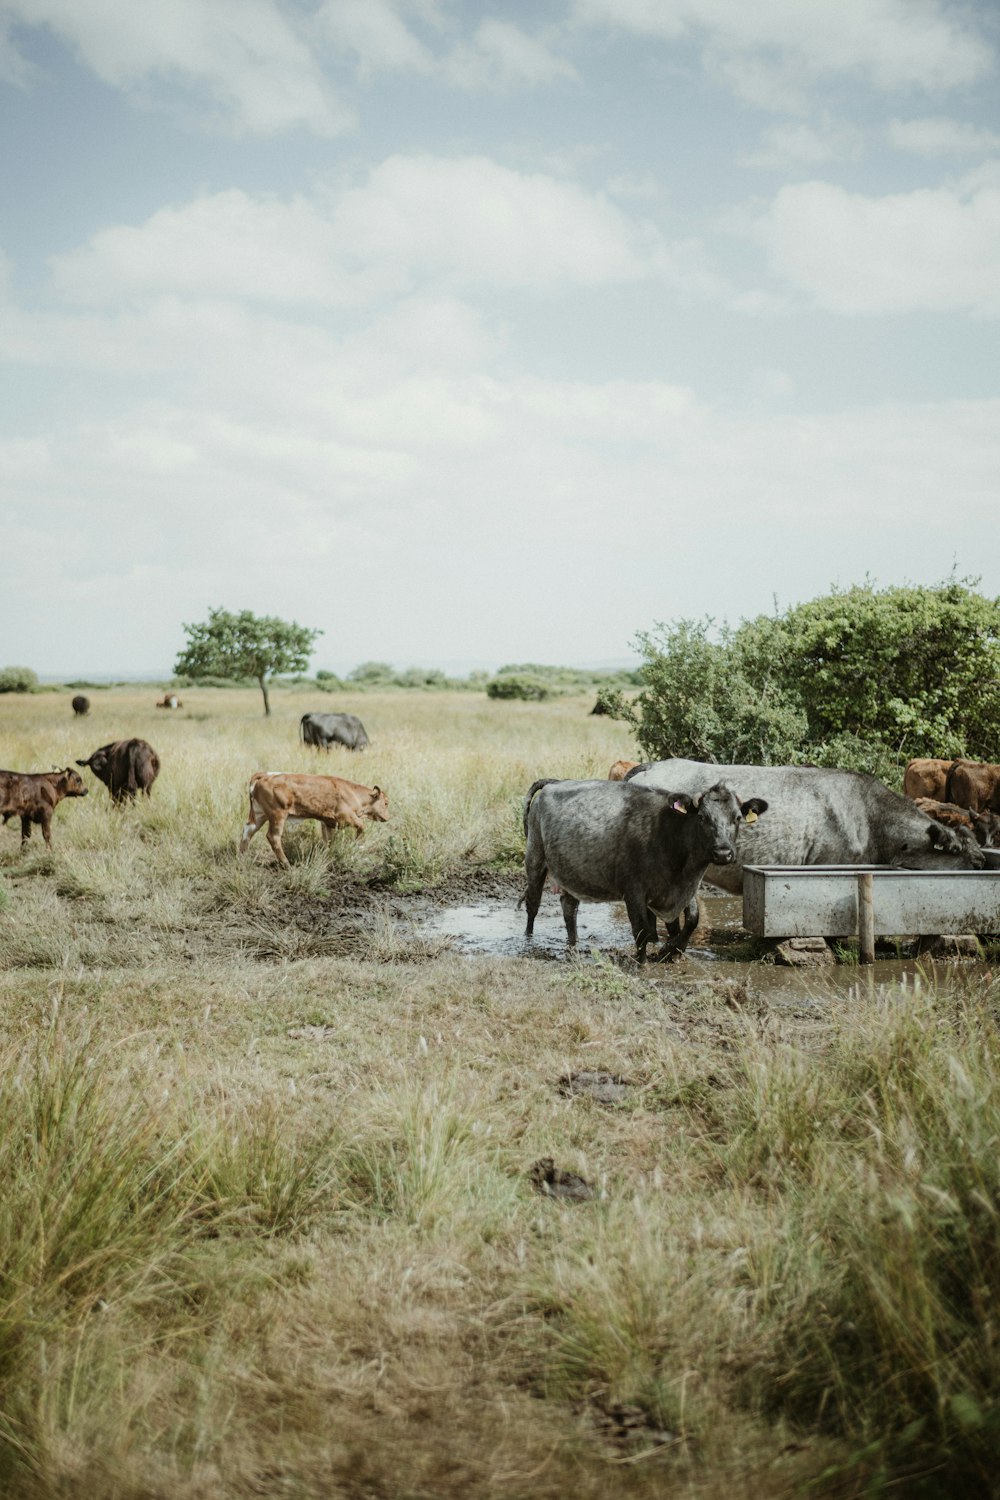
pixel 33 796
pixel 125 767
pixel 279 797
pixel 984 826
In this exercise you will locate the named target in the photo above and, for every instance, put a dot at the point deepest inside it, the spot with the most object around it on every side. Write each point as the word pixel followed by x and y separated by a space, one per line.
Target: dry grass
pixel 268 1220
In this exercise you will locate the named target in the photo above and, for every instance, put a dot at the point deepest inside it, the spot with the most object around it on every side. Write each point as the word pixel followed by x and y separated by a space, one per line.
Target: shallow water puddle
pixel 494 925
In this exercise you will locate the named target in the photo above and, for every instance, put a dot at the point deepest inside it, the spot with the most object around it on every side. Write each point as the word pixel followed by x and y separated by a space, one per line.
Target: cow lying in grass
pixel 33 796
pixel 613 841
pixel 281 797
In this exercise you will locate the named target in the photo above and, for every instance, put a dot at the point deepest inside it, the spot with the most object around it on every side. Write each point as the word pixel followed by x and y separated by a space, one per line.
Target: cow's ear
pixel 941 837
pixel 83 762
pixel 752 808
pixel 681 802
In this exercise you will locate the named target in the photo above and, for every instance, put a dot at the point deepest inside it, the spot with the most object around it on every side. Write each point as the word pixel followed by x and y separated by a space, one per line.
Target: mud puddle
pixel 493 925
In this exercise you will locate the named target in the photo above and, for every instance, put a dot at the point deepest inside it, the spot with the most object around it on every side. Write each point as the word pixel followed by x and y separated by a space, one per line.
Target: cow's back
pixel 815 815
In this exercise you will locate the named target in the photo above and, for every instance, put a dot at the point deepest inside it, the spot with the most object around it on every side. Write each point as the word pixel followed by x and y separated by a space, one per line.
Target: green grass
pixel 268 1224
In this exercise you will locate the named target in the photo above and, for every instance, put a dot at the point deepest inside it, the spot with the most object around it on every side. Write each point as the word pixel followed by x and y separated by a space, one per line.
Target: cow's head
pixel 378 806
pixel 71 783
pixel 99 763
pixel 717 814
pixel 938 847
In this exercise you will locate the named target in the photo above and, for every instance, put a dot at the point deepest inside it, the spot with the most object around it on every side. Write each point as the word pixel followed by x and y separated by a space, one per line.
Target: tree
pixel 245 645
pixel 863 678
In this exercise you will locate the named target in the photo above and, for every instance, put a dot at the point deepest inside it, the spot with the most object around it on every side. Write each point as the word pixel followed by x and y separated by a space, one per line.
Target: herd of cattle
pixel 647 835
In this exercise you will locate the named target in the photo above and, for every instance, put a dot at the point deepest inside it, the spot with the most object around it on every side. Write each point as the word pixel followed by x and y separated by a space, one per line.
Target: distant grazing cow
pixel 984 826
pixel 33 796
pixel 280 797
pixel 975 785
pixel 620 769
pixel 615 841
pixel 125 767
pixel 821 816
pixel 170 701
pixel 324 730
pixel 81 705
pixel 600 707
pixel 927 778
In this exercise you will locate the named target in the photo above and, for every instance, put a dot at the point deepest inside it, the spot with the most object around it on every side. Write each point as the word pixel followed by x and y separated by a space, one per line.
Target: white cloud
pixel 414 220
pixel 503 56
pixel 940 136
pixel 245 55
pixel 376 33
pixel 932 250
pixel 796 145
pixel 768 51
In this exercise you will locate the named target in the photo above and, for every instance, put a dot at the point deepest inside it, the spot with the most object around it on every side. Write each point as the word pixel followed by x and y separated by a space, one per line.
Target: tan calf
pixel 620 769
pixel 279 797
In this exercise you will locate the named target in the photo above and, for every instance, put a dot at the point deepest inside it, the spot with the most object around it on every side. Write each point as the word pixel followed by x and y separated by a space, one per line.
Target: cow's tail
pixel 535 786
pixel 302 730
pixel 949 774
pixel 643 765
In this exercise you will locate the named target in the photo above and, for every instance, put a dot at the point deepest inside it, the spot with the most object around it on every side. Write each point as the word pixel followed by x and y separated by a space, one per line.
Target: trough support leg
pixel 866 919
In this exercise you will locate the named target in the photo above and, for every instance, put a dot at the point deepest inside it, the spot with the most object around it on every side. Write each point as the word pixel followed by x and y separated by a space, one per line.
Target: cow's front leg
pixel 679 932
pixel 25 829
pixel 570 906
pixel 275 828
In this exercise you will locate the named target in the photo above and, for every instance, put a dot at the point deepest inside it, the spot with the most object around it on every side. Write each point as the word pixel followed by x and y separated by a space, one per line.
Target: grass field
pixel 269 1226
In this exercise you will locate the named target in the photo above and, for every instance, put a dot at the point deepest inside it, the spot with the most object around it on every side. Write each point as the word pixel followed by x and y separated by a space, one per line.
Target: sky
pixel 474 333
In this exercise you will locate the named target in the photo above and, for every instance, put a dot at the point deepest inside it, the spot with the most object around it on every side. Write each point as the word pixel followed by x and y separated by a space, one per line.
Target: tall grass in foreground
pixel 833 1264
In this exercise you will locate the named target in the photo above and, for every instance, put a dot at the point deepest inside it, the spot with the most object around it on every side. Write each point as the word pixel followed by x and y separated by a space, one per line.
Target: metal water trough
pixel 785 901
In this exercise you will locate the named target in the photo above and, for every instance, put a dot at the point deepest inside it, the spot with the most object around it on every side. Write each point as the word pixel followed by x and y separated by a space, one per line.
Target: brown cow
pixel 279 796
pixel 125 767
pixel 976 785
pixel 620 769
pixel 926 778
pixel 170 701
pixel 33 796
pixel 984 826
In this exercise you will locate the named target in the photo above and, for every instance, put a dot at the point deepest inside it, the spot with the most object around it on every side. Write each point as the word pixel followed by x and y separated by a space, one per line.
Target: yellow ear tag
pixel 751 817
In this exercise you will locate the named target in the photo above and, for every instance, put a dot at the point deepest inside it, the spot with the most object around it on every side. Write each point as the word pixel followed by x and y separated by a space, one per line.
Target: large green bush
pixel 863 678
pixel 18 680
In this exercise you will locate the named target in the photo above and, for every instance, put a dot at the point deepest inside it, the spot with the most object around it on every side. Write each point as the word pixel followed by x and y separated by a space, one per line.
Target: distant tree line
pixel 864 678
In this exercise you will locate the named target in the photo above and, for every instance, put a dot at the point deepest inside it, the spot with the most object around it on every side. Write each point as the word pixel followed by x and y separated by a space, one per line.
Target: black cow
pixel 613 841
pixel 81 705
pixel 324 730
pixel 820 817
pixel 125 767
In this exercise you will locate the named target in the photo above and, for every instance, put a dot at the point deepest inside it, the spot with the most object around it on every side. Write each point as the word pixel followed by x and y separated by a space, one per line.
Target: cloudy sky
pixel 494 331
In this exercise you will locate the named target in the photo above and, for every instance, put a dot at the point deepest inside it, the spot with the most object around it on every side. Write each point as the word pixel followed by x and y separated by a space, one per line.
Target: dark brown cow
pixel 125 767
pixel 975 785
pixel 926 778
pixel 81 705
pixel 33 796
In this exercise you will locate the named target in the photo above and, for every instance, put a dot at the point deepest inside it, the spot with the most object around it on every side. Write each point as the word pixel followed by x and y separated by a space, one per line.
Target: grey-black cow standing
pixel 612 841
pixel 324 730
pixel 820 816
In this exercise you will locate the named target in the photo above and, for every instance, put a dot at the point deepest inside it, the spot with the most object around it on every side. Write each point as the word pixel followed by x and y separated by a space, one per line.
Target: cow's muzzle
pixel 724 855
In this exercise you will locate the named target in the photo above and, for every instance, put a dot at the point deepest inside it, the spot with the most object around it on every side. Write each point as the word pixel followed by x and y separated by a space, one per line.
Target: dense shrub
pixel 863 678
pixel 528 688
pixel 18 680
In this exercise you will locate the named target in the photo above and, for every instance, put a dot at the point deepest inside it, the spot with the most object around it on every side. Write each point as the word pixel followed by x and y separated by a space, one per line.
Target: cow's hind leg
pixel 25 828
pixel 535 871
pixel 570 907
pixel 254 823
pixel 642 922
